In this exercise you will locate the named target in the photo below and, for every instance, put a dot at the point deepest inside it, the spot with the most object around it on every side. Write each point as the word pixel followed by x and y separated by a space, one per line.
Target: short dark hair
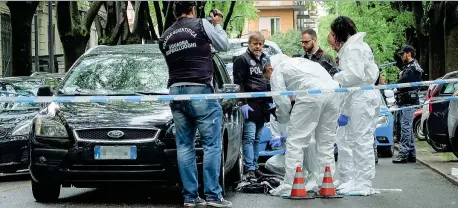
pixel 183 7
pixel 311 32
pixel 343 27
pixel 256 36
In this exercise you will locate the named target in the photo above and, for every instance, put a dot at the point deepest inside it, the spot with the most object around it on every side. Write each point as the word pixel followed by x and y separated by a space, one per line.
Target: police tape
pixel 387 64
pixel 149 98
pixel 447 99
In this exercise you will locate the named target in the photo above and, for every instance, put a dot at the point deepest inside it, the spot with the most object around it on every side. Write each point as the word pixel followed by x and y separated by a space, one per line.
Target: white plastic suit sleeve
pixel 283 103
pixel 352 69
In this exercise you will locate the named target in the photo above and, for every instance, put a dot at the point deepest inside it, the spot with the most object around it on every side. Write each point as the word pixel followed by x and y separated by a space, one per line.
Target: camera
pixel 213 11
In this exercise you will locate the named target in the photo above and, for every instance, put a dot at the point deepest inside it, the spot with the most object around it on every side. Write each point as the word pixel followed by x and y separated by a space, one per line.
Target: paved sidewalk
pixel 440 162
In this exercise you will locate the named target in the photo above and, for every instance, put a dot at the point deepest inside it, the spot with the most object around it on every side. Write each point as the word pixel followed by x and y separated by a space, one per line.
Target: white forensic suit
pixel 355 140
pixel 276 163
pixel 311 114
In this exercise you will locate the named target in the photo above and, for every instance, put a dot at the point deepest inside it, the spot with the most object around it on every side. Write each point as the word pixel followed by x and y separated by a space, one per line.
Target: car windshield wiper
pixel 152 93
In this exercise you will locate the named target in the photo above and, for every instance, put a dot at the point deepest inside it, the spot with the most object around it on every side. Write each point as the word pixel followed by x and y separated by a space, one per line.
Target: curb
pixel 449 178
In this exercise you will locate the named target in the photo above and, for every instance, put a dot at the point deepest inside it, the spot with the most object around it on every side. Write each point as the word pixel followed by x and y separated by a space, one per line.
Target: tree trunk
pixel 74 38
pixel 423 40
pixel 160 22
pixel 451 37
pixel 229 15
pixel 21 13
pixel 436 41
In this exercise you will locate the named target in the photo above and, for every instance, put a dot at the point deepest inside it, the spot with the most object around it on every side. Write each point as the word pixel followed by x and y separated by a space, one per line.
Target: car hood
pixel 9 119
pixel 118 114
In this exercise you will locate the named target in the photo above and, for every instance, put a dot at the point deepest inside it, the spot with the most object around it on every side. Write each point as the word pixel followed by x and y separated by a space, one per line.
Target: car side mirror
pixel 231 88
pixel 45 91
pixel 389 93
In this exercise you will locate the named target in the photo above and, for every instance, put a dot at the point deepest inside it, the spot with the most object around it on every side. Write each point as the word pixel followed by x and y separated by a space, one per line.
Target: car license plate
pixel 115 152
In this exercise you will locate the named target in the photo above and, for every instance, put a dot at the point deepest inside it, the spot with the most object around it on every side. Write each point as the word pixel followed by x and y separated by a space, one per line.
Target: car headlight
pixel 22 129
pixel 382 120
pixel 47 127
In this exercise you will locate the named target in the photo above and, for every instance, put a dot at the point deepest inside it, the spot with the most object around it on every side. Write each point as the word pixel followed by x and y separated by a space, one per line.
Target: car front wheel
pixel 45 192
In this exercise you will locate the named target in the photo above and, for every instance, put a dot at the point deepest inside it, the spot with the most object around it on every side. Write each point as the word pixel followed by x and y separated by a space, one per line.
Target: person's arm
pixel 217 35
pixel 238 73
pixel 283 103
pixel 352 69
pixel 408 76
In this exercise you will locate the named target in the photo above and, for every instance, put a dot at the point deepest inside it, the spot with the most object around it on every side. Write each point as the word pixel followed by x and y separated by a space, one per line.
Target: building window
pixel 274 25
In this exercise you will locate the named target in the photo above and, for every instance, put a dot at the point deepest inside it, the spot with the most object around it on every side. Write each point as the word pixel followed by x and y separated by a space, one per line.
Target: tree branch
pixel 91 15
pixel 169 17
pixel 151 25
pixel 74 13
pixel 98 27
pixel 229 15
pixel 160 22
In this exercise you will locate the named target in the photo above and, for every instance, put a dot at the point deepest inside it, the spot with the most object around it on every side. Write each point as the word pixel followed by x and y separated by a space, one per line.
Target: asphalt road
pixel 420 187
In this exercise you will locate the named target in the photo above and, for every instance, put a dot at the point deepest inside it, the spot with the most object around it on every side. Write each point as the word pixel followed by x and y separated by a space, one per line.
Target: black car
pixel 93 145
pixel 15 122
pixel 436 121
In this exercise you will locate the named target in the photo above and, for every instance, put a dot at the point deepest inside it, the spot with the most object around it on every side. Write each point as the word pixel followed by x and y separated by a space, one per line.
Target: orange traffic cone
pixel 299 191
pixel 327 188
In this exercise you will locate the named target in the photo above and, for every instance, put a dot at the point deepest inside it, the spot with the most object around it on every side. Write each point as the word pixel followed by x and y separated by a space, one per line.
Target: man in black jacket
pixel 412 72
pixel 248 74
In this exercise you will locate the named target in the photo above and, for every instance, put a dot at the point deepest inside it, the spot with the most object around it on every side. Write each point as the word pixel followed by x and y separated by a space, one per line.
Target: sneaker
pixel 197 202
pixel 250 175
pixel 220 203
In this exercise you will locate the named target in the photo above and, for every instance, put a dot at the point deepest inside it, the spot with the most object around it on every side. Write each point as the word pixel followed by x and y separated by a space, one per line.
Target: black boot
pixel 400 159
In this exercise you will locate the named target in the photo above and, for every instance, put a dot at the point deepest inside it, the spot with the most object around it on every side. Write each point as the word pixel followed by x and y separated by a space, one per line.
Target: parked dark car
pixel 436 119
pixel 105 144
pixel 15 123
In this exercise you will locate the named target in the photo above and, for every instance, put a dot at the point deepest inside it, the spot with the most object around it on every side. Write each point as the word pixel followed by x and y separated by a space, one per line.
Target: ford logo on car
pixel 115 134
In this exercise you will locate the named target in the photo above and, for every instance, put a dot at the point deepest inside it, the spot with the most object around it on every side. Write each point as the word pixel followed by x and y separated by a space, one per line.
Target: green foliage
pixel 243 10
pixel 288 42
pixel 385 28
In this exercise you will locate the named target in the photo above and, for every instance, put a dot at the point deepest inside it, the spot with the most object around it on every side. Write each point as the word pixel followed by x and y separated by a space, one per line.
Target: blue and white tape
pixel 447 99
pixel 387 64
pixel 148 98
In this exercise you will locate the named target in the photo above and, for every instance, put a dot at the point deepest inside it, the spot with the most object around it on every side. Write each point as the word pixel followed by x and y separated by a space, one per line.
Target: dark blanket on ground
pixel 262 184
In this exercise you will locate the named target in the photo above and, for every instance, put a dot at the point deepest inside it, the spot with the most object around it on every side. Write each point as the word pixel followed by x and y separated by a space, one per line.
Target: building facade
pixel 281 16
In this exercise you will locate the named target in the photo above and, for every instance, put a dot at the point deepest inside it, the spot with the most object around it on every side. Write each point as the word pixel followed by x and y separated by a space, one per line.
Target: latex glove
pixel 275 142
pixel 283 137
pixel 245 108
pixel 342 120
pixel 272 105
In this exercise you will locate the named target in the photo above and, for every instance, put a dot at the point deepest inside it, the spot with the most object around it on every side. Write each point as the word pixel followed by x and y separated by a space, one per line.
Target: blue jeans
pixel 407 141
pixel 252 133
pixel 205 115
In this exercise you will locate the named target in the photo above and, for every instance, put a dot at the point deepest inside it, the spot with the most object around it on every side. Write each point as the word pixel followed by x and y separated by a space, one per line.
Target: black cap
pixel 406 48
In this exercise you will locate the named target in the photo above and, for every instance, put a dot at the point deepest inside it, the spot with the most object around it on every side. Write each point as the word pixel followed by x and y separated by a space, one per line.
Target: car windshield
pixel 127 73
pixel 26 88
